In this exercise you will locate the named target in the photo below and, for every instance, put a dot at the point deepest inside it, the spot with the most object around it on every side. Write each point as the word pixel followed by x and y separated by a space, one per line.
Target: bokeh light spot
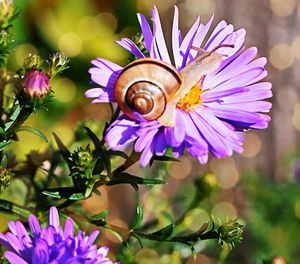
pixel 226 172
pixel 22 51
pixel 281 56
pixel 145 6
pixel 296 47
pixel 200 259
pixel 64 89
pixel 70 43
pixel 297 209
pixel 282 7
pixel 176 170
pixel 196 218
pixel 87 28
pixel 224 210
pixel 296 116
pixel 204 8
pixel 252 145
pixel 109 19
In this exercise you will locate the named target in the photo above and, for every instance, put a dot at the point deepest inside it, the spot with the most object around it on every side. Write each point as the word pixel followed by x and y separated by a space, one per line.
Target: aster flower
pixel 36 83
pixel 212 115
pixel 52 244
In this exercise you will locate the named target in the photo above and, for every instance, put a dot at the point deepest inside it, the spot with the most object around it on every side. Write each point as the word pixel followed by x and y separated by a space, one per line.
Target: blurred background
pixel 261 185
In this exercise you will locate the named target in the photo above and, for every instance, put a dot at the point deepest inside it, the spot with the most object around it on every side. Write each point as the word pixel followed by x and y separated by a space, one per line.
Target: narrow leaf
pixel 99 216
pixel 63 150
pixel 33 131
pixel 3 144
pixel 139 216
pixel 65 192
pixel 163 233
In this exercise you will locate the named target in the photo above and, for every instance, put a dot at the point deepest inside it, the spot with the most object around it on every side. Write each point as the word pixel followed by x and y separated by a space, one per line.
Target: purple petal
pixel 175 39
pixel 146 30
pixel 69 228
pixel 161 144
pixel 105 73
pixel 187 42
pixel 178 151
pixel 40 252
pixel 158 33
pixel 129 45
pixel 144 139
pixel 23 234
pixel 54 218
pixel 14 258
pixel 121 133
pixel 105 95
pixel 92 237
pixel 201 34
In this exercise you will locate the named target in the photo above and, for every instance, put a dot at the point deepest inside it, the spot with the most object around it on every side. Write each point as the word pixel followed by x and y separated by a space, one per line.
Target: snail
pixel 152 88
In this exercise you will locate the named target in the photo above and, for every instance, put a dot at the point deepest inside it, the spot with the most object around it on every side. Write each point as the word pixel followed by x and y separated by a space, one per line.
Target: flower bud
pixel 206 185
pixel 231 232
pixel 36 83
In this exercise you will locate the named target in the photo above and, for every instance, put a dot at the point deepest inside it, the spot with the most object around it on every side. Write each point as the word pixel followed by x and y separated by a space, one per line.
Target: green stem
pixel 11 207
pixel 25 112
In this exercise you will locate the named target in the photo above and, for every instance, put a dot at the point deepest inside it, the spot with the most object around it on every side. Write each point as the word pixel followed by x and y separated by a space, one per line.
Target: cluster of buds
pixel 6 12
pixel 82 158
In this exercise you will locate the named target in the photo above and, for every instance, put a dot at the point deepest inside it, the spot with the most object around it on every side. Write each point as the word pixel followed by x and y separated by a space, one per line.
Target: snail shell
pixel 145 87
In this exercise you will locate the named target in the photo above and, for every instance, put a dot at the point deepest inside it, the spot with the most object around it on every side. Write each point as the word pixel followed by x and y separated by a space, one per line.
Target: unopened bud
pixel 36 83
pixel 206 185
pixel 231 232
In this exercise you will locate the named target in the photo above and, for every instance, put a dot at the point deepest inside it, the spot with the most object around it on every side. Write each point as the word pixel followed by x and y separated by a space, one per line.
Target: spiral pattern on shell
pixel 145 86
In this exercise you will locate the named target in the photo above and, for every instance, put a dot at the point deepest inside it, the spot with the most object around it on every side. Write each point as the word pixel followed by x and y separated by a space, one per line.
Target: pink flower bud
pixel 36 83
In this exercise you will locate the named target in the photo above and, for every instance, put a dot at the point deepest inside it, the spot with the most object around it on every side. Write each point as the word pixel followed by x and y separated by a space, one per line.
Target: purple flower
pixel 213 114
pixel 52 244
pixel 36 83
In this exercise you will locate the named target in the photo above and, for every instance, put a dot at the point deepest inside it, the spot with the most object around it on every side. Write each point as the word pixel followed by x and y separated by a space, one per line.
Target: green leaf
pixel 62 149
pixel 33 131
pixel 139 216
pixel 162 158
pixel 13 116
pixel 13 208
pixel 99 151
pixel 4 161
pixel 70 193
pixel 163 233
pixel 203 228
pixel 125 177
pixel 3 144
pixel 99 219
pixel 117 235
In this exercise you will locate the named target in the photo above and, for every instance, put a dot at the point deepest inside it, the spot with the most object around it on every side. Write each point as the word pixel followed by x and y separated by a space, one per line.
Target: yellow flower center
pixel 191 98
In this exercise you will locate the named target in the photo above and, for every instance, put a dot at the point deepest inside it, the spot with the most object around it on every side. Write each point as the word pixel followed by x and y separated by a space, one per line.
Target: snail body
pixel 150 88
